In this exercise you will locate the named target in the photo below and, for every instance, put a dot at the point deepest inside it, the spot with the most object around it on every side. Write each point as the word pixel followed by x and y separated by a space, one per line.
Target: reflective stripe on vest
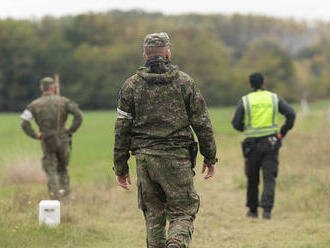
pixel 261 113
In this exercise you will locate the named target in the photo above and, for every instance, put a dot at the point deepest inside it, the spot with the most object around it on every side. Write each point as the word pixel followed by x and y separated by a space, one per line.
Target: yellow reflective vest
pixel 261 116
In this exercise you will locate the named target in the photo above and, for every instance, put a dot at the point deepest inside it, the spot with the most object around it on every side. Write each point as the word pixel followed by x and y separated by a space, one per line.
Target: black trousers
pixel 263 154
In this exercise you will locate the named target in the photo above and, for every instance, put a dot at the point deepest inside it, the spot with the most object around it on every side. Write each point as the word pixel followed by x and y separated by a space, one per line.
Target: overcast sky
pixel 301 9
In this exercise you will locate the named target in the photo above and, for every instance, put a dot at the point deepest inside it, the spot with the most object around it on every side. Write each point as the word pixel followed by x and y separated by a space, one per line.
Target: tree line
pixel 95 52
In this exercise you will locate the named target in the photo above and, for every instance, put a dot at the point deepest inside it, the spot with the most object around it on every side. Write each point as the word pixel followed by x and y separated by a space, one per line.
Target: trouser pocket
pixel 248 145
pixel 195 201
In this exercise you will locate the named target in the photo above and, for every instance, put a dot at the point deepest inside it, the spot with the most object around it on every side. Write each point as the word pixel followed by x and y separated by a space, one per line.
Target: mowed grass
pixel 100 214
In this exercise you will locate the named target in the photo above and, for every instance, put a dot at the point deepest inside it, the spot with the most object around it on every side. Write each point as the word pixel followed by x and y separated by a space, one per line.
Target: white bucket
pixel 49 213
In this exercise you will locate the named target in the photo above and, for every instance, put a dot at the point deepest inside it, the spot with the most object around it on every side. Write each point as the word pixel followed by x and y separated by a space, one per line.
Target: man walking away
pixel 257 115
pixel 156 109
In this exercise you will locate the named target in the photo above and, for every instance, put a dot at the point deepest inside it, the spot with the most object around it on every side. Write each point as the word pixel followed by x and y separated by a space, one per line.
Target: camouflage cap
pixel 156 40
pixel 47 81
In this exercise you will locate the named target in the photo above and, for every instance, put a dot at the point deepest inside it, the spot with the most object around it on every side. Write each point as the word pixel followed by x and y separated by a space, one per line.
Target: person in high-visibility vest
pixel 257 115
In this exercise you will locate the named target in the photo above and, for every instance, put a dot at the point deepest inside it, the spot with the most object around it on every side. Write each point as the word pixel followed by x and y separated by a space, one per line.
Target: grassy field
pixel 99 214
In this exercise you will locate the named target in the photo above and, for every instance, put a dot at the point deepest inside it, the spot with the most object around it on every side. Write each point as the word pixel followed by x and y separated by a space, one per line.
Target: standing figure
pixel 157 108
pixel 257 115
pixel 50 112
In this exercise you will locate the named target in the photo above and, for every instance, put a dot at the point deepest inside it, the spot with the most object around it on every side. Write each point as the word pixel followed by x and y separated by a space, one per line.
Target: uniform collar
pixel 47 94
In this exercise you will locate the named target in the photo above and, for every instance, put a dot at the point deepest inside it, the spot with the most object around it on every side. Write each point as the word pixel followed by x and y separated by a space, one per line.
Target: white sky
pixel 301 9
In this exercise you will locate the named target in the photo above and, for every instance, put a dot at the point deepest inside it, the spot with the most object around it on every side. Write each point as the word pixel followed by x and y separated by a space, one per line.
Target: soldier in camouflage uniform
pixel 50 112
pixel 156 109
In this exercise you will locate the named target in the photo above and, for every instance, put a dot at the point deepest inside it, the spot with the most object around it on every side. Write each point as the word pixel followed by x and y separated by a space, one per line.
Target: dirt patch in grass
pixel 22 170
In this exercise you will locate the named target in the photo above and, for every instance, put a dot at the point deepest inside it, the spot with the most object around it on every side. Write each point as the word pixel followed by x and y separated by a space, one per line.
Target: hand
pixel 210 170
pixel 123 181
pixel 40 135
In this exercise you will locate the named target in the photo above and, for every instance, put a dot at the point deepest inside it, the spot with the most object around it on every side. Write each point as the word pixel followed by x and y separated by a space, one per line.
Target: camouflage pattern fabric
pixel 45 111
pixel 55 165
pixel 47 81
pixel 156 109
pixel 156 40
pixel 166 191
pixel 155 116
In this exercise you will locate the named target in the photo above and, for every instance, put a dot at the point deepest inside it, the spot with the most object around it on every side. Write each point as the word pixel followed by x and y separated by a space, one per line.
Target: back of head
pixel 46 83
pixel 157 55
pixel 256 80
pixel 156 44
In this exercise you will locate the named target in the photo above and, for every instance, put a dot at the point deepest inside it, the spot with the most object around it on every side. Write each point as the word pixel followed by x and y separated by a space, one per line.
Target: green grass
pixel 99 214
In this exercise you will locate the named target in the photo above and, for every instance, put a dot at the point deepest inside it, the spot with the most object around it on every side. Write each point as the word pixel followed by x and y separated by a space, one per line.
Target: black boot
pixel 266 215
pixel 172 246
pixel 252 213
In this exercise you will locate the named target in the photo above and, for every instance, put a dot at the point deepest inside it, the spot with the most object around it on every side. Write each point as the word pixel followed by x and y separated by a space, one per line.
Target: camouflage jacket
pixel 45 111
pixel 156 108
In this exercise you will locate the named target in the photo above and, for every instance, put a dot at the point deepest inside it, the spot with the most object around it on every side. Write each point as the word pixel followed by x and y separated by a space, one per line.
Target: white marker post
pixel 304 107
pixel 49 213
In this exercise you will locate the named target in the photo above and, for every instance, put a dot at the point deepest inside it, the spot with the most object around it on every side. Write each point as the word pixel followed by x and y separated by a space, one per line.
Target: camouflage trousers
pixel 166 192
pixel 55 164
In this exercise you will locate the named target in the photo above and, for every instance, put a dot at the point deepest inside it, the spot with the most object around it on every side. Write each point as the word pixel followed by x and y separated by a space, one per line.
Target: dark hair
pixel 256 80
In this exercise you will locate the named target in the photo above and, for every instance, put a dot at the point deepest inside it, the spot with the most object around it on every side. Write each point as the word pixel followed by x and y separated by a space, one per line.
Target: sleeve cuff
pixel 120 172
pixel 210 161
pixel 70 130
